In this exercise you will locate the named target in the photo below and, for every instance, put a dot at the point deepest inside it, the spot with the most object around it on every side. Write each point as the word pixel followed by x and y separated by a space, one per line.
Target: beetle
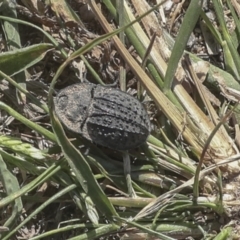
pixel 104 115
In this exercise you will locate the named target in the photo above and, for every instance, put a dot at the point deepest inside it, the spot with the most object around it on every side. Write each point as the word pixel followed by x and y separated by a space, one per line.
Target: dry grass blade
pixel 213 115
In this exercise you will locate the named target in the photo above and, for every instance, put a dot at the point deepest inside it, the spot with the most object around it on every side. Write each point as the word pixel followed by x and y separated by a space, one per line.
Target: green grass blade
pixel 212 29
pixel 17 146
pixel 13 39
pixel 40 208
pixel 82 170
pixel 189 21
pixel 43 131
pixel 232 59
pixel 49 37
pixel 23 90
pixel 235 17
pixel 32 167
pixel 18 60
pixel 11 186
pixel 98 232
pixel 53 169
pixel 67 228
pixel 225 234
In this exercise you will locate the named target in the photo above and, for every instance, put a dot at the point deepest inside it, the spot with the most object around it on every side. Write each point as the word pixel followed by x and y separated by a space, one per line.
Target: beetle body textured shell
pixel 103 115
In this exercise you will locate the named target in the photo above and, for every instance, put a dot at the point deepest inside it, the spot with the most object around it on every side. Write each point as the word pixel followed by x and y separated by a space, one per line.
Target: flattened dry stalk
pixel 235 3
pixel 234 166
pixel 150 25
pixel 63 10
pixel 197 126
pixel 155 56
pixel 230 93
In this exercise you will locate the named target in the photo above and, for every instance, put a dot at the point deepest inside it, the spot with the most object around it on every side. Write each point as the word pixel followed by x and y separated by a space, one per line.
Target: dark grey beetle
pixel 103 115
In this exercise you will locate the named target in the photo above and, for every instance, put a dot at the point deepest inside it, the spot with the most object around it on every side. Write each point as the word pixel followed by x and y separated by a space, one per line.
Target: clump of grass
pixel 182 181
